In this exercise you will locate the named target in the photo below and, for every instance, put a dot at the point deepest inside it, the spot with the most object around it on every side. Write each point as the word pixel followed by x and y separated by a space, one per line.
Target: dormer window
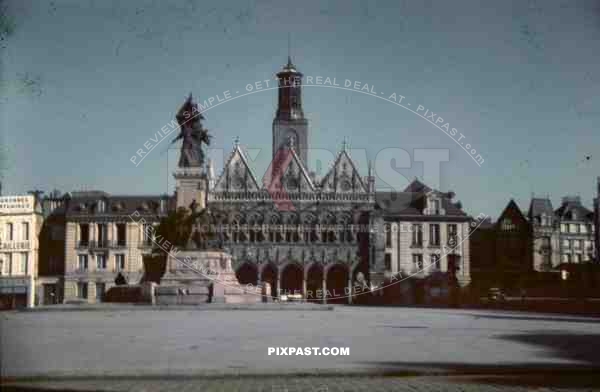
pixel 435 206
pixel 573 215
pixel 101 206
pixel 163 205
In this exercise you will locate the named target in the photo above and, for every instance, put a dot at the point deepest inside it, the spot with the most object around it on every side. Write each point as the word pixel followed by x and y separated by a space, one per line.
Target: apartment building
pixel 20 222
pixel 424 232
pixel 104 245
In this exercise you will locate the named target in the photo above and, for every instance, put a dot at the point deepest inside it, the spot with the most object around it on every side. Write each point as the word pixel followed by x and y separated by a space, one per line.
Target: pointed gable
pixel 343 176
pixel 295 177
pixel 237 175
pixel 512 219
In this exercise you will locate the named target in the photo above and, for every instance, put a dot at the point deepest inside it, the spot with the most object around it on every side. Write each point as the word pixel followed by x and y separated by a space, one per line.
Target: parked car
pixel 291 298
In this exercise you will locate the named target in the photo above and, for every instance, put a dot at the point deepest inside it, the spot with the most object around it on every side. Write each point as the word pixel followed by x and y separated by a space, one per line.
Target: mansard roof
pixel 237 174
pixel 570 205
pixel 343 176
pixel 86 203
pixel 539 206
pixel 400 203
pixel 412 201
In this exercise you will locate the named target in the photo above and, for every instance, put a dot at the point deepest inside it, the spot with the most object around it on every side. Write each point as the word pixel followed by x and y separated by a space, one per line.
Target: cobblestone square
pixel 215 343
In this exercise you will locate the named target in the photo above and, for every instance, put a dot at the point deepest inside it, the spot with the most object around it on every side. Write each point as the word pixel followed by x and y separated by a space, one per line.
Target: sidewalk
pixel 300 384
pixel 103 307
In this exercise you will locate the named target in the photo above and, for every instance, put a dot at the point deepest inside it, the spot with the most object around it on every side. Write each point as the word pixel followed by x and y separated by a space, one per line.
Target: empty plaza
pixel 207 341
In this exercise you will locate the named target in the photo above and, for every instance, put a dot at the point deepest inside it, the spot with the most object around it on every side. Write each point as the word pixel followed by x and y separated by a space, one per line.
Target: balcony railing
pixel 15 245
pixel 99 245
pixel 118 244
pixel 102 244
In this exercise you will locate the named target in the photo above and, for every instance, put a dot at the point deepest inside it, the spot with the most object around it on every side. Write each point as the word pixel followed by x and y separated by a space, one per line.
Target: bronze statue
pixel 192 133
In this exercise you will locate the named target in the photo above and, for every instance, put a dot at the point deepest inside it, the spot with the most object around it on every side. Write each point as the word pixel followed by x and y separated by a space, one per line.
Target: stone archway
pixel 314 283
pixel 269 275
pixel 292 277
pixel 247 273
pixel 337 283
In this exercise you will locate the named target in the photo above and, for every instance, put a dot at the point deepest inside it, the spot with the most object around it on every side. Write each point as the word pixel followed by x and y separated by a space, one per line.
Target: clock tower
pixel 289 119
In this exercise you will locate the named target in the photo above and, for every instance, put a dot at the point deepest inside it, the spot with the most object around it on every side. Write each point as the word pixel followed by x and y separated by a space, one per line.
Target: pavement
pixel 295 384
pixel 112 307
pixel 390 348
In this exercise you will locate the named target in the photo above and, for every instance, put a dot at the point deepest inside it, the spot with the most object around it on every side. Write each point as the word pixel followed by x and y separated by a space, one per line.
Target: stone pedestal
pixel 201 276
pixel 196 276
pixel 191 184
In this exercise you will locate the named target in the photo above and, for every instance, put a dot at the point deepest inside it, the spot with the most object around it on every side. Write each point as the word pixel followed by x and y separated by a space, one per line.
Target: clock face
pixel 291 134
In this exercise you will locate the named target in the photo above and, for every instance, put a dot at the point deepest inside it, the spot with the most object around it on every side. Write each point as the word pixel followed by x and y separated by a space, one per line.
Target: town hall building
pixel 298 233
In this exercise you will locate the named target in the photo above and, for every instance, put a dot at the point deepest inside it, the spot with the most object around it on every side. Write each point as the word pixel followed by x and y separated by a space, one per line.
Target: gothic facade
pixel 300 234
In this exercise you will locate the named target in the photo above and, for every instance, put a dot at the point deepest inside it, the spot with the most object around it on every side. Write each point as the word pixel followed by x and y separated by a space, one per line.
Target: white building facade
pixel 104 243
pixel 424 232
pixel 20 223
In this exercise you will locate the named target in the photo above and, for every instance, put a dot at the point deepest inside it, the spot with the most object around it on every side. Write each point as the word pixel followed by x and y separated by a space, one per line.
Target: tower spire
pixel 289 118
pixel 289 48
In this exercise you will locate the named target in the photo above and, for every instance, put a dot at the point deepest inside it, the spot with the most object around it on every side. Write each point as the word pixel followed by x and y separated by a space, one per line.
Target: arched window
pixel 255 228
pixel 309 231
pixel 346 231
pixel 328 231
pixel 275 229
pixel 291 229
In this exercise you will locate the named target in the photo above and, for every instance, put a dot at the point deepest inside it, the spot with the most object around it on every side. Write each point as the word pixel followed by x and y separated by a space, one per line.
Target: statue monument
pixel 201 270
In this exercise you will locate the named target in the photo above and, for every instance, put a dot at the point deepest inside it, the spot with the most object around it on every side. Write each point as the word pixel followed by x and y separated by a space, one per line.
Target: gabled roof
pixel 297 164
pixel 236 169
pixel 512 208
pixel 539 206
pixel 343 171
pixel 417 186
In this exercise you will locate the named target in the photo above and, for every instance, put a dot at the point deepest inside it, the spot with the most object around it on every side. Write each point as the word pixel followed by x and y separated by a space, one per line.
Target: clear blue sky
pixel 86 83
